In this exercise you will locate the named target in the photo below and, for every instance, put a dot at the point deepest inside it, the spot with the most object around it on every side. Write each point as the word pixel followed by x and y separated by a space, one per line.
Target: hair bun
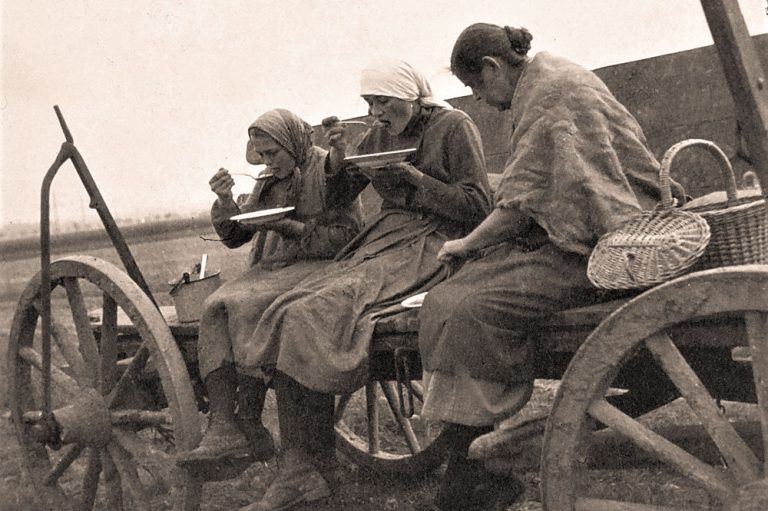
pixel 519 38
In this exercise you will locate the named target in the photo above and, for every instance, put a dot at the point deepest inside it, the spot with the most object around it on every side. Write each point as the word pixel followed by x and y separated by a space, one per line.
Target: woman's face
pixel 492 85
pixel 280 162
pixel 393 114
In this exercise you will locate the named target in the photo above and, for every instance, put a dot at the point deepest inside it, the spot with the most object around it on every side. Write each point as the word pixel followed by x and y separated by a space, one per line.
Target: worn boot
pixel 251 393
pixel 319 410
pixel 298 480
pixel 467 485
pixel 223 438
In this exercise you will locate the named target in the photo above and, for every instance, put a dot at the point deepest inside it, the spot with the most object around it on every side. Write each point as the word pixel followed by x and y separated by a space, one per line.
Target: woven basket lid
pixel 649 249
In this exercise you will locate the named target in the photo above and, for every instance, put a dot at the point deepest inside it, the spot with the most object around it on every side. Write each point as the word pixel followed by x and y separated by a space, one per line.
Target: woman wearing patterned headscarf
pixel 283 253
pixel 319 333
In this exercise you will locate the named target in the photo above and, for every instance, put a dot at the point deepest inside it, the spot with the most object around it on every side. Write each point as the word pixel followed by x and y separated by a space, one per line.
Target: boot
pixel 251 393
pixel 467 485
pixel 298 479
pixel 223 438
pixel 297 482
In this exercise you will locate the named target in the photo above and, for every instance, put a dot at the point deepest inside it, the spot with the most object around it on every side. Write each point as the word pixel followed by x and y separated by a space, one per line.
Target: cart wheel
pixel 663 321
pixel 373 433
pixel 111 444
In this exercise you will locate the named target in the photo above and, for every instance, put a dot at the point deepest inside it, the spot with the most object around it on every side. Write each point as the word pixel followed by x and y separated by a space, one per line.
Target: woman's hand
pixel 221 184
pixel 453 250
pixel 337 140
pixel 284 226
pixel 393 174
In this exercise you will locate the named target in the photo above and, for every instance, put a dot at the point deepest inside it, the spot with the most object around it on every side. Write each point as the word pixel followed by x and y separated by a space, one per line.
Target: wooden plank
pixel 745 76
pixel 757 334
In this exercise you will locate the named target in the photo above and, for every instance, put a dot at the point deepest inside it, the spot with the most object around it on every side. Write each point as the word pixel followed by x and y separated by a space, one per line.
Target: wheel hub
pixel 85 421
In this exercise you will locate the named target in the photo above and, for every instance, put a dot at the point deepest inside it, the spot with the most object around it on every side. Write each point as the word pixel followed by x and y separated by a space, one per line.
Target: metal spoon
pixel 255 178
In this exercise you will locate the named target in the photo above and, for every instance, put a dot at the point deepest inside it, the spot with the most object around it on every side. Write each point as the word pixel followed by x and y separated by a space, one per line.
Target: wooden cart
pixel 101 405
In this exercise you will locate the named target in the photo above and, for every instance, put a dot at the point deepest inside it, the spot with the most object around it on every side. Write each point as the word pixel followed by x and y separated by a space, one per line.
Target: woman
pixel 579 166
pixel 283 253
pixel 319 333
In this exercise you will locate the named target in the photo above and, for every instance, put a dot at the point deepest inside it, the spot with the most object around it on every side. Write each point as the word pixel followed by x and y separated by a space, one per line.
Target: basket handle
pixel 725 169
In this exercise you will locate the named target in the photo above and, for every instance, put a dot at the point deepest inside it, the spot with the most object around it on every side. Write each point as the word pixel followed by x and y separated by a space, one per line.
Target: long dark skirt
pixel 231 313
pixel 319 333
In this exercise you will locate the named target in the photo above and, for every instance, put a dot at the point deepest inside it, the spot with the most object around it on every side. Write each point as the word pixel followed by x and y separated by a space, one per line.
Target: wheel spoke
pixel 341 405
pixel 140 418
pixel 159 464
pixel 661 448
pixel 73 452
pixel 417 389
pixel 108 345
pixel 388 388
pixel 91 479
pixel 372 414
pixel 127 379
pixel 66 341
pixel 112 483
pixel 88 347
pixel 126 467
pixel 735 452
pixel 58 377
pixel 583 504
pixel 757 335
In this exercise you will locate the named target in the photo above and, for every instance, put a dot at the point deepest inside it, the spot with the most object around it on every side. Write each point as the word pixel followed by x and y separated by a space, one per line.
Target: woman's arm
pixel 466 199
pixel 503 224
pixel 232 234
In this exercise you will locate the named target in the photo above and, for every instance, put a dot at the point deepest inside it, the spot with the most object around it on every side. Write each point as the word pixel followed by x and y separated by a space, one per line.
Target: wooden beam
pixel 745 76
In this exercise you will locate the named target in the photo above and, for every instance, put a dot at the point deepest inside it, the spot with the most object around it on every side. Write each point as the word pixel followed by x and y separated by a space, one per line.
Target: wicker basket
pixel 738 220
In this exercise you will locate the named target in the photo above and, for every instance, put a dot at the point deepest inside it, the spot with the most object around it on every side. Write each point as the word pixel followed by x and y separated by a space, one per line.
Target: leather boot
pixel 298 479
pixel 297 482
pixel 251 393
pixel 467 485
pixel 223 438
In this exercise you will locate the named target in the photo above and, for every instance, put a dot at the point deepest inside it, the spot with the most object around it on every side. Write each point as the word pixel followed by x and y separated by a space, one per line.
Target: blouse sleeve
pixel 466 198
pixel 233 234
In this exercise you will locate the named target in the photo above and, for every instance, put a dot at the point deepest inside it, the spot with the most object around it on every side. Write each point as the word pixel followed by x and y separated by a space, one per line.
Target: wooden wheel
pixel 684 324
pixel 372 432
pixel 118 417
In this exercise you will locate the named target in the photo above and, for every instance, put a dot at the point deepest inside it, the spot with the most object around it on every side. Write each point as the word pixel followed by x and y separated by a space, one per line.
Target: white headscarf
pixel 397 79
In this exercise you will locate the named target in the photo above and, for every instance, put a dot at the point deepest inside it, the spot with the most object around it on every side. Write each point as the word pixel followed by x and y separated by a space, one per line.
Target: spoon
pixel 255 178
pixel 328 122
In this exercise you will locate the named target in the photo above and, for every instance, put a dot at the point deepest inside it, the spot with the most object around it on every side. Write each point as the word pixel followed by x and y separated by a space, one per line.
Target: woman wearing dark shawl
pixel 283 253
pixel 319 333
pixel 579 166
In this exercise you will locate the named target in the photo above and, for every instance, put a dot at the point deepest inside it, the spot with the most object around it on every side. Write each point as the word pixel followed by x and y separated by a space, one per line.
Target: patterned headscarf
pixel 397 79
pixel 288 129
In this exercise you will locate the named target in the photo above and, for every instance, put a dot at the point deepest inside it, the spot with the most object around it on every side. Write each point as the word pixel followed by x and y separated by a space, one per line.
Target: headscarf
pixel 397 79
pixel 294 135
pixel 288 129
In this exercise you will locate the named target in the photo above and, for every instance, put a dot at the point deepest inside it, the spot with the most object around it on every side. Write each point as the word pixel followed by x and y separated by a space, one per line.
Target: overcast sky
pixel 158 94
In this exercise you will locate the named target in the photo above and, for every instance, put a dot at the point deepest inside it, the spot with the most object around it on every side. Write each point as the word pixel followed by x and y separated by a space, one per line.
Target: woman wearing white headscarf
pixel 319 333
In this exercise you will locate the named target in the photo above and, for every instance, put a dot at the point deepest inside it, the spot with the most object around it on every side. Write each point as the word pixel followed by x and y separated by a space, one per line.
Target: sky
pixel 158 94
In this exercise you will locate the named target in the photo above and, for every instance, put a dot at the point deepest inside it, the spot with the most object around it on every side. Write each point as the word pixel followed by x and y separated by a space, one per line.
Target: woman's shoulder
pixel 547 72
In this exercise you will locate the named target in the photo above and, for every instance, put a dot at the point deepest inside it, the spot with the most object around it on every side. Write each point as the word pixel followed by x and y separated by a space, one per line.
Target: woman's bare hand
pixel 221 184
pixel 337 141
pixel 453 250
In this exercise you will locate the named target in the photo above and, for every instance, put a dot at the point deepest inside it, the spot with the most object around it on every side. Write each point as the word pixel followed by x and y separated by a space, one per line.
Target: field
pixel 163 261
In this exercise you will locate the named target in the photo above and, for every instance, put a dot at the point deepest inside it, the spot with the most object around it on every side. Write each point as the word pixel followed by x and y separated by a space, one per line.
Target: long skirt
pixel 320 333
pixel 473 333
pixel 231 313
